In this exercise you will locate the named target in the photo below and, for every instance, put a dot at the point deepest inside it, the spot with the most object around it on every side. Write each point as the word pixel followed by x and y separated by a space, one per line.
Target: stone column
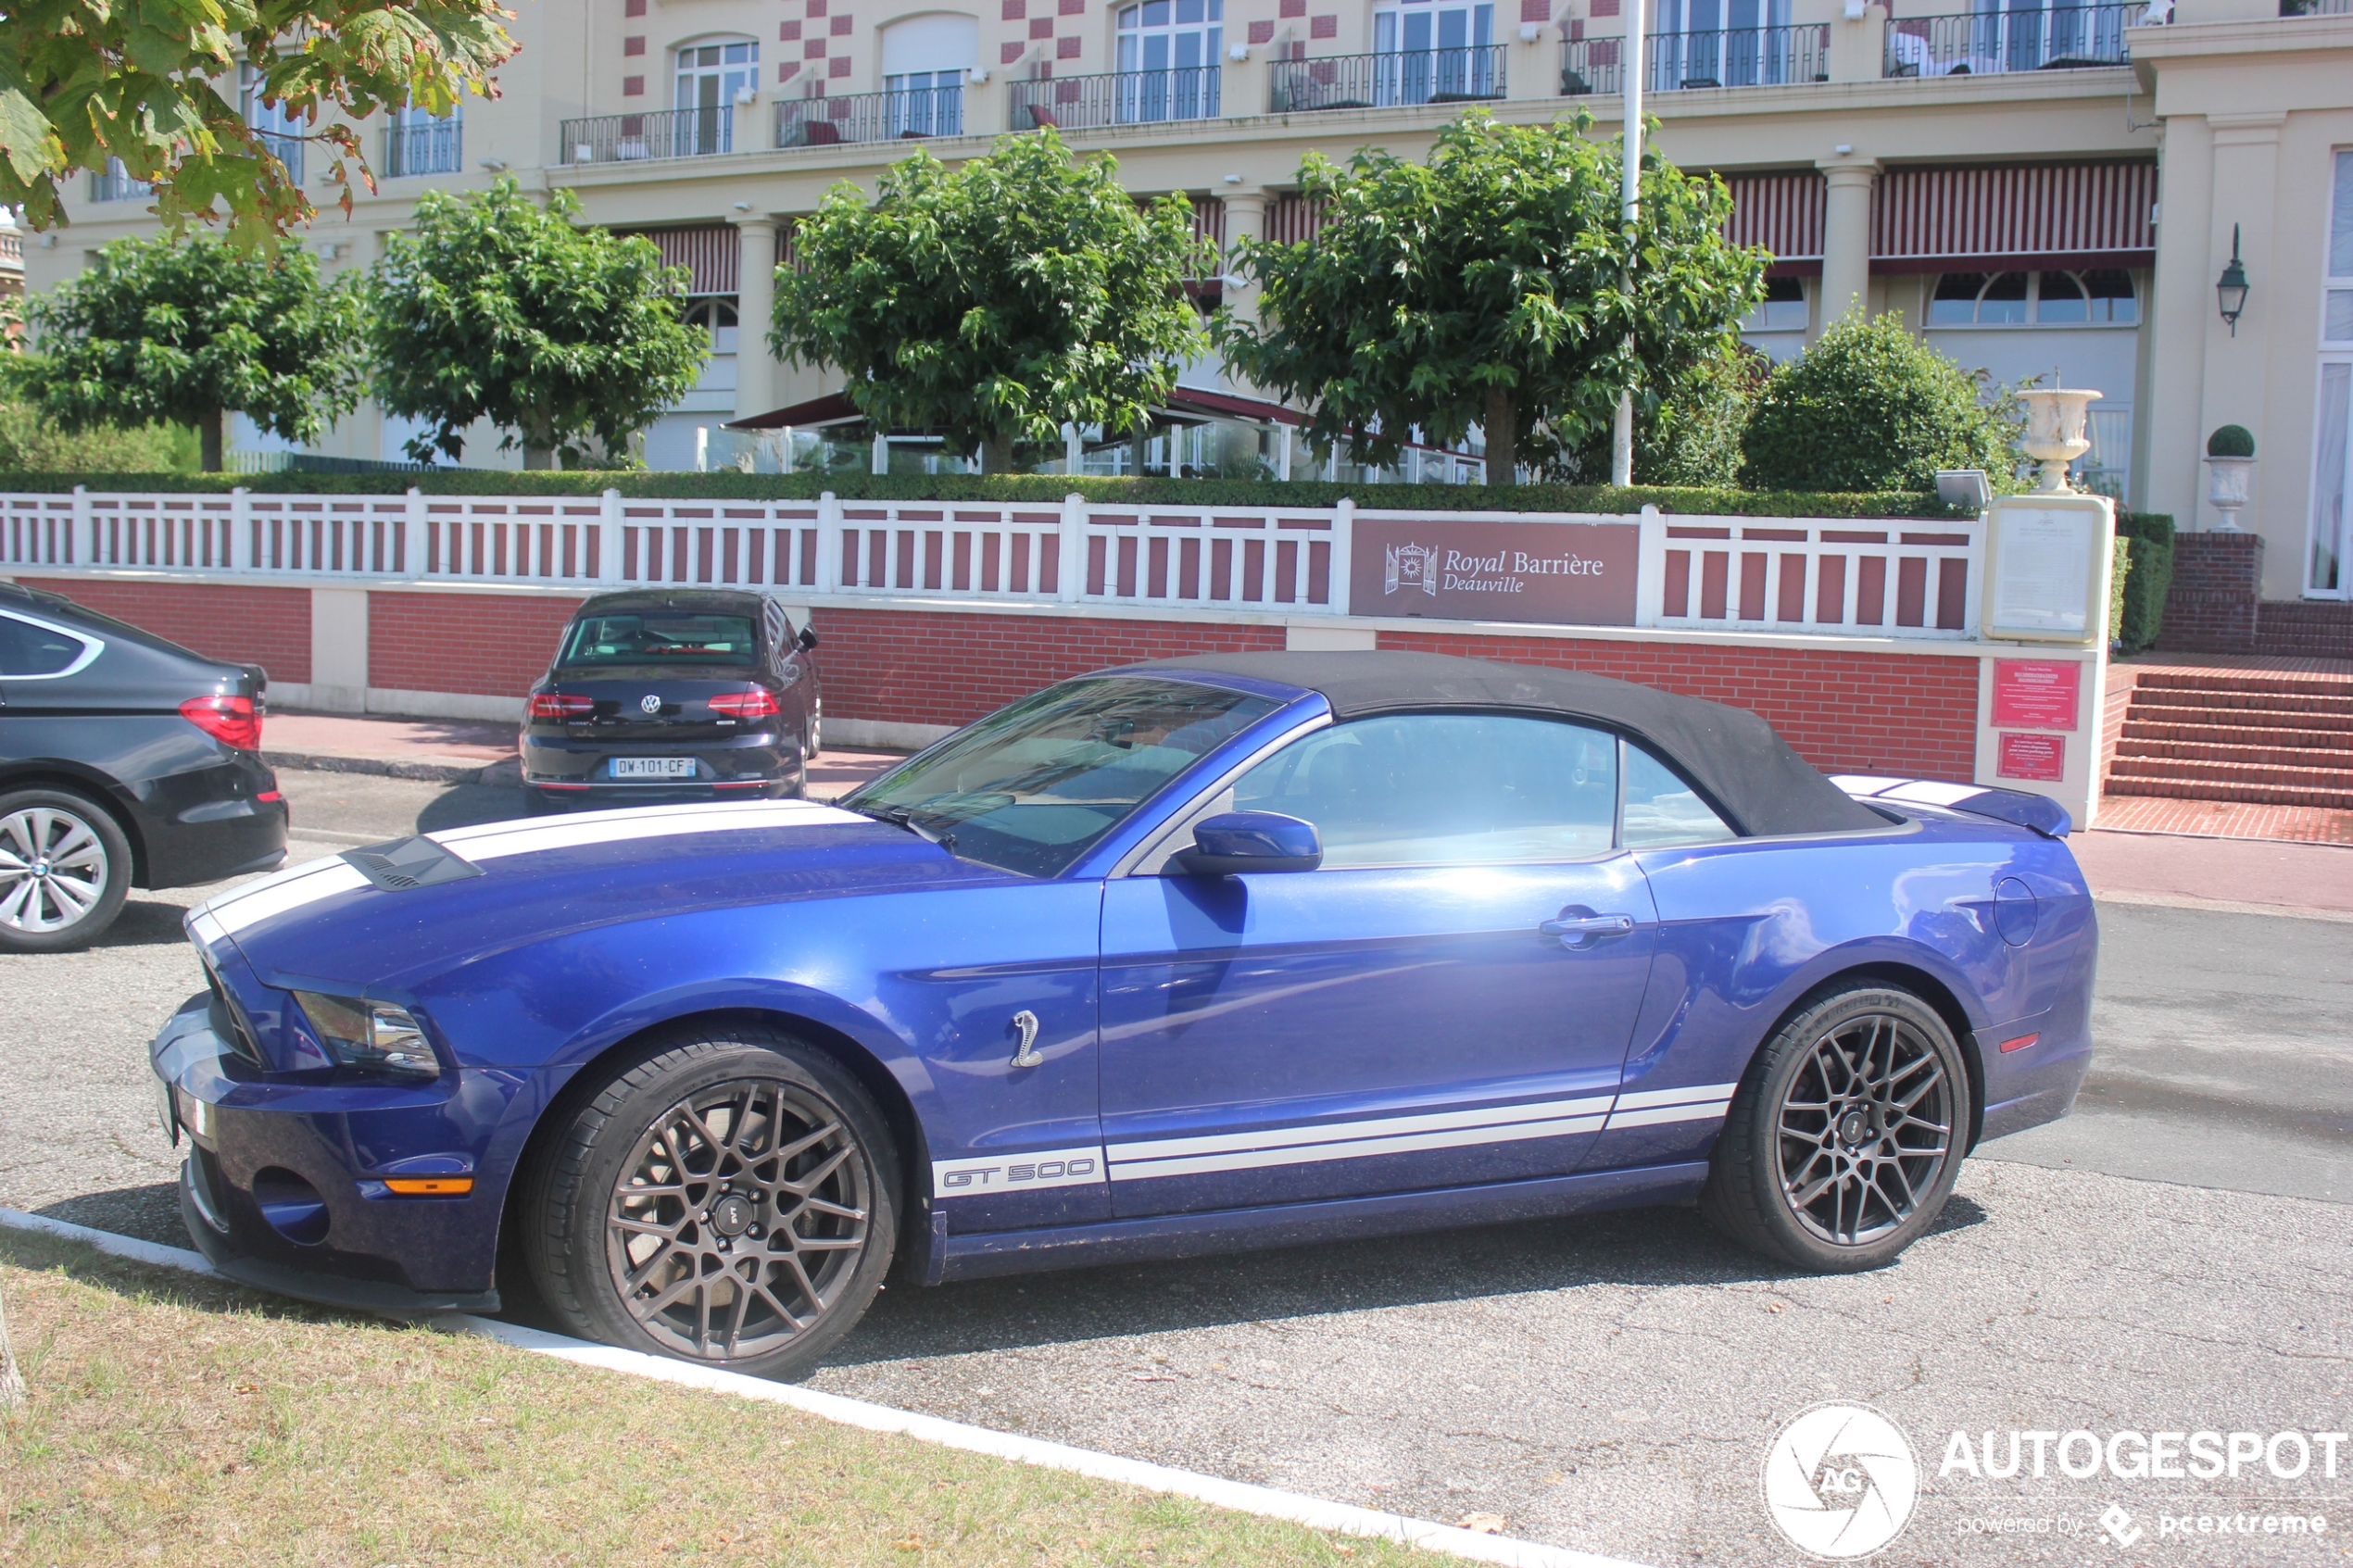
pixel 1846 236
pixel 1245 218
pixel 755 301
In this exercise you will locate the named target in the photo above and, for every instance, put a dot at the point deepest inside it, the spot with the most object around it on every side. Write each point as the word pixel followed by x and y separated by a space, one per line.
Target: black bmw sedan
pixel 674 695
pixel 125 761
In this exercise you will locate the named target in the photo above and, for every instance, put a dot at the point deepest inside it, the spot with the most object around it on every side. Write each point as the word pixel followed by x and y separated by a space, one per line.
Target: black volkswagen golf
pixel 674 695
pixel 125 761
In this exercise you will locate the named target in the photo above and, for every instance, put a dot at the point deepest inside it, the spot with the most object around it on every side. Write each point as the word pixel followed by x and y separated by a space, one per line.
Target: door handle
pixel 1578 932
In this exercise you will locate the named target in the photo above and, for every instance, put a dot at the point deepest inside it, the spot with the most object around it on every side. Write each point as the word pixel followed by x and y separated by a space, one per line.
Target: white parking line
pixel 1267 1502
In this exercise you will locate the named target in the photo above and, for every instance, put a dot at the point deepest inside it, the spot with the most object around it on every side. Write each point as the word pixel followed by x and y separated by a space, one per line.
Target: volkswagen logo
pixel 649 704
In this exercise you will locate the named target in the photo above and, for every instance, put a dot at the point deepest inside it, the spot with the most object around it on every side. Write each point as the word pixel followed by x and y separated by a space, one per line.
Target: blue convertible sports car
pixel 1216 953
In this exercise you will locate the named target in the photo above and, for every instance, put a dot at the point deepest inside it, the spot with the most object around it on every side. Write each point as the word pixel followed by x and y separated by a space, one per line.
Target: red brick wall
pixel 1914 715
pixel 2216 594
pixel 266 626
pixel 483 645
pixel 909 667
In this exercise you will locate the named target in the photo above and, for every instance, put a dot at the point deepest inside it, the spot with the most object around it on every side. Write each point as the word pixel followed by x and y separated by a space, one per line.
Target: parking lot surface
pixel 2178 1256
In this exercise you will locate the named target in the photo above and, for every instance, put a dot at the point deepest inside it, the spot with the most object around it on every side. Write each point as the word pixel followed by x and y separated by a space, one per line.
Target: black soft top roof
pixel 1747 772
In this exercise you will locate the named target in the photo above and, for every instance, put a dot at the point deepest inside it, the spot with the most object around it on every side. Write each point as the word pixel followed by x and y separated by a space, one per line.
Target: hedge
pixel 2141 616
pixel 1035 489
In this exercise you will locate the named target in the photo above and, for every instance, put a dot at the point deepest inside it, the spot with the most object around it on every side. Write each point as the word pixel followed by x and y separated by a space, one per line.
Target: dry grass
pixel 179 1419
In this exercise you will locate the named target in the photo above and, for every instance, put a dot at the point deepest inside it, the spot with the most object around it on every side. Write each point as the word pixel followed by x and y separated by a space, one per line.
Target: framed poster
pixel 2036 694
pixel 2047 566
pixel 2038 759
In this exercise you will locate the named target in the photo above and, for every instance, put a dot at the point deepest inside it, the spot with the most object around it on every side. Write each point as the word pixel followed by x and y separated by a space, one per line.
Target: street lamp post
pixel 1621 443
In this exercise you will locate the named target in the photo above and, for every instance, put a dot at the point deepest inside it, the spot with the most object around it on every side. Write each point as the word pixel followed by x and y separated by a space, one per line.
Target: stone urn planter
pixel 2230 470
pixel 2054 438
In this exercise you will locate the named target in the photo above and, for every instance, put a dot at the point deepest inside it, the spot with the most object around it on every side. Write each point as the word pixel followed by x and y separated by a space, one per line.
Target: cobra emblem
pixel 1028 1056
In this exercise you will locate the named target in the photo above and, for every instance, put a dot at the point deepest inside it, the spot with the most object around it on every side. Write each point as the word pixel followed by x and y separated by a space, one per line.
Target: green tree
pixel 500 309
pixel 997 301
pixel 85 81
pixel 1870 407
pixel 187 330
pixel 1491 287
pixel 30 443
pixel 1690 433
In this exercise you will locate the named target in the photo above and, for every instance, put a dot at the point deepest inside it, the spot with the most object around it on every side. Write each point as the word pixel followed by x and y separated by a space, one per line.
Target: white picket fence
pixel 1897 578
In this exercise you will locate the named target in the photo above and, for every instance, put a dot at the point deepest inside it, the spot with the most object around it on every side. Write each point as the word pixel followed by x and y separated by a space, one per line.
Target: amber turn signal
pixel 429 1186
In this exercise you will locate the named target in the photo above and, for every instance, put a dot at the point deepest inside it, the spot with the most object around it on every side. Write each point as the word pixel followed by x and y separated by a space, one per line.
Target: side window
pixel 1662 810
pixel 779 632
pixel 1418 789
pixel 28 649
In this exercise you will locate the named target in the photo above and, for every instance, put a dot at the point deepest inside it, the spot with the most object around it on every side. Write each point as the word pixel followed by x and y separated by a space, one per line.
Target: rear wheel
pixel 730 1197
pixel 1844 1138
pixel 65 869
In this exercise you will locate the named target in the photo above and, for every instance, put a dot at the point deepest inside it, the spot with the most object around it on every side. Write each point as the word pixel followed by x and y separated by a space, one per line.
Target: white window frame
pixel 744 72
pixel 2337 278
pixel 1698 61
pixel 1416 84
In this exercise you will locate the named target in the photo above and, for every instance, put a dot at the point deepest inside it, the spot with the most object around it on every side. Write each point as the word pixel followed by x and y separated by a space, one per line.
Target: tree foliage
pixel 85 81
pixel 503 309
pixel 31 443
pixel 997 301
pixel 1870 407
pixel 1491 287
pixel 184 330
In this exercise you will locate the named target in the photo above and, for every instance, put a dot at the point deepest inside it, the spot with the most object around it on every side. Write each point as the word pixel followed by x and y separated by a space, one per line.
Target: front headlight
pixel 374 1036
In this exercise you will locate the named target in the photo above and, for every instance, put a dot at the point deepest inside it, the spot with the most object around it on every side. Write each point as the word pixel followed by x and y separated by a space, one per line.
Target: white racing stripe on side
pixel 1713 1111
pixel 500 840
pixel 1346 1132
pixel 1017 1173
pixel 1676 1096
pixel 1463 1137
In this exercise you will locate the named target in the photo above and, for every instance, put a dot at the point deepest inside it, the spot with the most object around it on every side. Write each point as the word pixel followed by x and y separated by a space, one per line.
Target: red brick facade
pixel 1856 713
pixel 266 626
pixel 2216 594
pixel 913 667
pixel 480 645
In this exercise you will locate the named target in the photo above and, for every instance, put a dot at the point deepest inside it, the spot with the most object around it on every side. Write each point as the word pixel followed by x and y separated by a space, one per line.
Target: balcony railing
pixel 2316 7
pixel 1365 81
pixel 1752 56
pixel 657 133
pixel 870 117
pixel 1990 43
pixel 1127 98
pixel 429 146
pixel 114 185
pixel 285 149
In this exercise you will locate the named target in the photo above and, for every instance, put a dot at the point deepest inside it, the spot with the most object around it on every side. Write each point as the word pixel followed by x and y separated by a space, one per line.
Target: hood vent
pixel 403 863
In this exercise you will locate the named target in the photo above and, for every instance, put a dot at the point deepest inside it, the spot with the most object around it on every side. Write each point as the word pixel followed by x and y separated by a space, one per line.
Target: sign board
pixel 2041 759
pixel 2036 694
pixel 1561 573
pixel 2046 568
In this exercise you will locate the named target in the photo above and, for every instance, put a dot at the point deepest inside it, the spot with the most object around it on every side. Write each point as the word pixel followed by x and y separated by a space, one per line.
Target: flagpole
pixel 1621 444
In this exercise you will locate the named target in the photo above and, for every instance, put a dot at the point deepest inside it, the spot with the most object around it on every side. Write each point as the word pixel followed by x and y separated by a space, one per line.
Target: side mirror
pixel 1237 842
pixel 808 638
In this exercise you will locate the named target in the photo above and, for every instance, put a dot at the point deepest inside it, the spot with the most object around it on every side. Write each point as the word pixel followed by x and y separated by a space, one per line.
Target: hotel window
pixel 1431 52
pixel 2333 438
pixel 280 130
pixel 1167 55
pixel 418 143
pixel 710 78
pixel 1783 310
pixel 1721 43
pixel 2099 297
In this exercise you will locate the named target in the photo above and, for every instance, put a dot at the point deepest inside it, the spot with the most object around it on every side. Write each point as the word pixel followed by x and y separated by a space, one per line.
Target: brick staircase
pixel 2277 738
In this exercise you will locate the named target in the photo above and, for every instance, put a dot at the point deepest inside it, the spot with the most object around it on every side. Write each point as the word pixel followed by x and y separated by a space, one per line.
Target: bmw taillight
pixel 232 720
pixel 560 705
pixel 756 703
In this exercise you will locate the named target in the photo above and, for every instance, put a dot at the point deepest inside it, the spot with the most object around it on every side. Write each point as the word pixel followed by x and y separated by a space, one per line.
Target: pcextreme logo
pixel 1839 1482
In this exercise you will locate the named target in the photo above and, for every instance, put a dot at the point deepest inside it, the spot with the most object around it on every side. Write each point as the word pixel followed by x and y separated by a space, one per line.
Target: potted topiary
pixel 2230 457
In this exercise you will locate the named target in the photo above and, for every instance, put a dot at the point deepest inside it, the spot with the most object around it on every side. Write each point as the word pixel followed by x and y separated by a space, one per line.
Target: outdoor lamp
pixel 2229 290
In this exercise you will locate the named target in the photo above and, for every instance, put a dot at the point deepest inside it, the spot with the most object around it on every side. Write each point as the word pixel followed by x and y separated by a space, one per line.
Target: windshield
pixel 660 637
pixel 1033 786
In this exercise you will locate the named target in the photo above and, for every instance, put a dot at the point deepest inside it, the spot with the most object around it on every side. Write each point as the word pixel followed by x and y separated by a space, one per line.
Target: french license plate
pixel 653 766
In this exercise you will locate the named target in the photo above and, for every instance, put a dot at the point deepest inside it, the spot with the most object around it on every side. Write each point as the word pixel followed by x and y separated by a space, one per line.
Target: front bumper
pixel 283 1184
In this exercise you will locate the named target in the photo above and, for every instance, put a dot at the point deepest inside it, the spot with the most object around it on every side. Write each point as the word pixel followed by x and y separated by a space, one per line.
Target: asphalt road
pixel 2176 1256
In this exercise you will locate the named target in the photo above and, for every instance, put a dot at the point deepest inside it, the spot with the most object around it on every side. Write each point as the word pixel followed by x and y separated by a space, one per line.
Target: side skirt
pixel 1300 1224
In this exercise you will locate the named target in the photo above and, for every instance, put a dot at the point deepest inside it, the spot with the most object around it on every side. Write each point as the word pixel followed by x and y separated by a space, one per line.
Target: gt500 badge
pixel 1017 1173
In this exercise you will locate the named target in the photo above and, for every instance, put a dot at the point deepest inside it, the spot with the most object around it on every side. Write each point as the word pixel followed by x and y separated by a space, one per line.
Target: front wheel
pixel 730 1197
pixel 1845 1137
pixel 65 869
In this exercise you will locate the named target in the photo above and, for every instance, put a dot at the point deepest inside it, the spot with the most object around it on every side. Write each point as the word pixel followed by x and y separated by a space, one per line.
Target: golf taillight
pixel 560 705
pixel 756 703
pixel 232 720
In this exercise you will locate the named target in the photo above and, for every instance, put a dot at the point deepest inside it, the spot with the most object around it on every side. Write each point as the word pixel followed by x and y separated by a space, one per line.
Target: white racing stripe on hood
pixel 497 840
pixel 306 884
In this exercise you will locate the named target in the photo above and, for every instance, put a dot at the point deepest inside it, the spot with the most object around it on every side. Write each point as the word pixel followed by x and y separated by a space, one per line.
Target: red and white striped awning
pixel 1292 218
pixel 1782 211
pixel 713 255
pixel 2009 216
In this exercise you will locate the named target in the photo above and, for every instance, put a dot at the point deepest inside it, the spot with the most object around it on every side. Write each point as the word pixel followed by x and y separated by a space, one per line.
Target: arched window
pixel 710 78
pixel 2100 297
pixel 716 316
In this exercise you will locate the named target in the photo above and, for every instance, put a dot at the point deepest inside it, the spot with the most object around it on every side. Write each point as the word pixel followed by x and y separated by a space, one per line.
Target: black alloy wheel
pixel 729 1199
pixel 1845 1136
pixel 65 871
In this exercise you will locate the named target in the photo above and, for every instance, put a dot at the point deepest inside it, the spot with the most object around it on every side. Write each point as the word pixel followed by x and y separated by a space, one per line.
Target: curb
pixel 1267 1502
pixel 505 772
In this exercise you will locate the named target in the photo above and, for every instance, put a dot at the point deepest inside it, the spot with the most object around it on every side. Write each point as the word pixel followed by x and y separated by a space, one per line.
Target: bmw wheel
pixel 65 869
pixel 1846 1134
pixel 731 1198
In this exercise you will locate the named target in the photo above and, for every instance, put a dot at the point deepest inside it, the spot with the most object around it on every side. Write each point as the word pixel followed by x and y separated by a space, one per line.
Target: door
pixel 1446 1002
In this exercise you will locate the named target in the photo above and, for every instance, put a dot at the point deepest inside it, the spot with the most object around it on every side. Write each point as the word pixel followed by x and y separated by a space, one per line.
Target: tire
pixel 1845 1137
pixel 65 869
pixel 665 1108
